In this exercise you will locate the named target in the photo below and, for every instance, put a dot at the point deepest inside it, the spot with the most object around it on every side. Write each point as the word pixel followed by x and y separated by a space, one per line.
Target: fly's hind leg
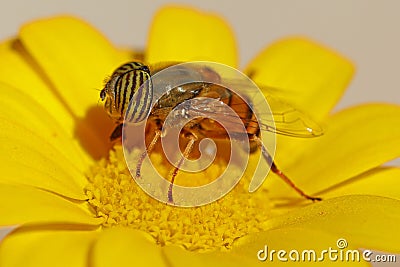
pixel 275 170
pixel 186 153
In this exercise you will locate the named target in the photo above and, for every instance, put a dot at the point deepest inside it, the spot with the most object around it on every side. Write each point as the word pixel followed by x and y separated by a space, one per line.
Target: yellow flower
pixel 69 207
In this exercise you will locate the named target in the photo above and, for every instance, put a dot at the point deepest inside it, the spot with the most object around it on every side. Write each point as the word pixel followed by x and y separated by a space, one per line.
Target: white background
pixel 368 32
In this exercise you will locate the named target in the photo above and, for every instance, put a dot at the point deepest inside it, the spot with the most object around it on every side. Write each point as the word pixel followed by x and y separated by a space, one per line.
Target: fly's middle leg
pixel 186 153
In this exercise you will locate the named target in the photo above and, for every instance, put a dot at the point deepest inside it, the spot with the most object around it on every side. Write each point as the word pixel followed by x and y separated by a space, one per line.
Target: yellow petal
pixel 308 75
pixel 126 247
pixel 23 110
pixel 180 257
pixel 74 56
pixel 18 74
pixel 246 249
pixel 378 182
pixel 75 59
pixel 369 222
pixel 185 34
pixel 33 90
pixel 356 140
pixel 29 159
pixel 43 248
pixel 260 248
pixel 22 205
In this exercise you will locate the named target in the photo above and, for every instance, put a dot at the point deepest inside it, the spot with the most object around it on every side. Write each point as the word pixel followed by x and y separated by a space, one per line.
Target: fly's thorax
pixel 210 75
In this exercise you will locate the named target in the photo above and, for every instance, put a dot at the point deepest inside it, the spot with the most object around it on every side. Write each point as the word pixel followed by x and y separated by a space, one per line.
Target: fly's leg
pixel 148 150
pixel 275 170
pixel 117 133
pixel 186 153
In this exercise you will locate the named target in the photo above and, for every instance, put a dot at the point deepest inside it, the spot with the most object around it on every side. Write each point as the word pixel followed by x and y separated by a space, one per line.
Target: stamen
pixel 114 196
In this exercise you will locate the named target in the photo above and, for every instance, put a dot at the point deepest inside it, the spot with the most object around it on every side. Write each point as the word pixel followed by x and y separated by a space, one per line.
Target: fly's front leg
pixel 149 148
pixel 188 149
pixel 148 151
pixel 275 170
pixel 117 133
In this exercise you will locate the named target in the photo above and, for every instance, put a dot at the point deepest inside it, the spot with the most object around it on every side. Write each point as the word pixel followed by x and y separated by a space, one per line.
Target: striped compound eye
pixel 124 93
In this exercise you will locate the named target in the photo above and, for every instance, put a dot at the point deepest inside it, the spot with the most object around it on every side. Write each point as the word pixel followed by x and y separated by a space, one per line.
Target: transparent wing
pixel 289 121
pixel 286 119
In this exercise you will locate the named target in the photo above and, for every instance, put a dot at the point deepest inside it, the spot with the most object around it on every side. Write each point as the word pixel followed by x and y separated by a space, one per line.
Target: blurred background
pixel 365 31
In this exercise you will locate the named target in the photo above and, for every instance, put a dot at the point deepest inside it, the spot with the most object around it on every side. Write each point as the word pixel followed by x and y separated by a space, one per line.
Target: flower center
pixel 114 196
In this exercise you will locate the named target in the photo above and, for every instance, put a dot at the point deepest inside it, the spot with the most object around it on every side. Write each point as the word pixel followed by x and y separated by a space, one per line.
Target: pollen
pixel 114 196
